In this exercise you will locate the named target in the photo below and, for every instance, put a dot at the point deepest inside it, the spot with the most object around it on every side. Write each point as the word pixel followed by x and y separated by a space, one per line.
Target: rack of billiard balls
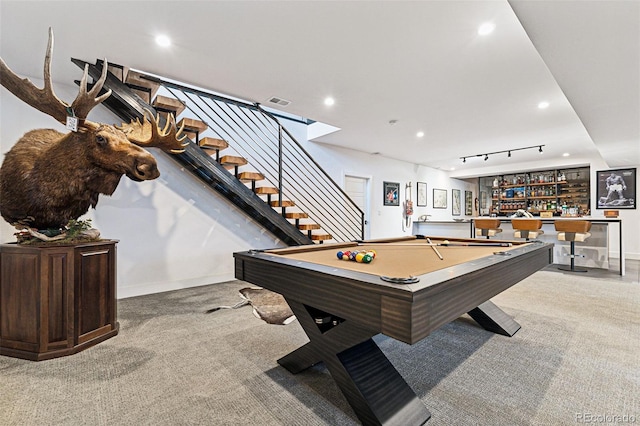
pixel 363 256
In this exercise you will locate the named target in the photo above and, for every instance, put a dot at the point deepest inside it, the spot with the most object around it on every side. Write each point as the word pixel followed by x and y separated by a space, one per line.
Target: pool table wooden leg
pixel 373 387
pixel 494 319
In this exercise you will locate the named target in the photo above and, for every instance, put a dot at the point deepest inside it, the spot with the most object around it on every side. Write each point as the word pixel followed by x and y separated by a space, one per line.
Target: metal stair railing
pixel 128 106
pixel 258 136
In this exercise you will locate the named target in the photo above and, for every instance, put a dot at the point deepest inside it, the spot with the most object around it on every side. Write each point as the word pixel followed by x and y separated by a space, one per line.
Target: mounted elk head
pixel 49 178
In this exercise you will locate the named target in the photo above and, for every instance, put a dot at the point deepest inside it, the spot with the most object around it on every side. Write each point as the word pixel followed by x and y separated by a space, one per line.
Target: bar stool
pixel 527 228
pixel 573 230
pixel 487 227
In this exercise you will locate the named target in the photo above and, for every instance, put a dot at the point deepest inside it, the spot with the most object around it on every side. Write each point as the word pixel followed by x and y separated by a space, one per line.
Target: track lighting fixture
pixel 508 151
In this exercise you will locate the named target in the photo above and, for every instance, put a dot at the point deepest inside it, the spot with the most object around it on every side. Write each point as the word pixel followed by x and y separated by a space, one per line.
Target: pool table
pixel 413 286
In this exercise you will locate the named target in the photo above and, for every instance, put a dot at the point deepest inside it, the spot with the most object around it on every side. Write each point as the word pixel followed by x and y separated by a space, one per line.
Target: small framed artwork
pixel 439 198
pixel 422 194
pixel 468 203
pixel 616 189
pixel 391 193
pixel 455 202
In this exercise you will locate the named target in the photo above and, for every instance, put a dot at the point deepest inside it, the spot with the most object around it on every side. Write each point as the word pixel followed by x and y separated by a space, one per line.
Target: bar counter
pixel 598 249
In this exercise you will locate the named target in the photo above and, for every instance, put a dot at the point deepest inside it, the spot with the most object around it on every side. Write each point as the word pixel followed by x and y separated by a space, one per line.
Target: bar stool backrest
pixel 487 223
pixel 577 226
pixel 526 224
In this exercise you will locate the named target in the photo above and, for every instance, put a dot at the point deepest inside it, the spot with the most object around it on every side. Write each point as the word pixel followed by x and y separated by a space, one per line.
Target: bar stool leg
pixel 573 267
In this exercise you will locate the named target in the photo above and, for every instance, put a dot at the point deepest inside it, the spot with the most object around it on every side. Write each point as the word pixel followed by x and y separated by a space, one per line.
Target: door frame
pixel 367 200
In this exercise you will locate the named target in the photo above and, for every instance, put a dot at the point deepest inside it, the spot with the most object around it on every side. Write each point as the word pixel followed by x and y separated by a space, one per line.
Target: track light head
pixel 540 149
pixel 509 154
pixel 464 159
pixel 486 157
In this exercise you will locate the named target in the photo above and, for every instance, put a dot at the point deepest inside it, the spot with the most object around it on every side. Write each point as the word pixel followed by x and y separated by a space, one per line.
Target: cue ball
pixel 445 242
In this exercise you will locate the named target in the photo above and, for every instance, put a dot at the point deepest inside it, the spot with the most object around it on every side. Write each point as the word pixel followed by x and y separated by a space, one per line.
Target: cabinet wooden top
pixel 17 246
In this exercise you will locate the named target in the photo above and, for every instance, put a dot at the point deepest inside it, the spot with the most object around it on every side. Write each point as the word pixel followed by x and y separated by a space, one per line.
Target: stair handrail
pixel 335 223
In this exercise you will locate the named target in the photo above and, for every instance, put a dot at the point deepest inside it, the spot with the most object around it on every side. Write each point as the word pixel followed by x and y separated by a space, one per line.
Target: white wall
pixel 175 232
pixel 386 221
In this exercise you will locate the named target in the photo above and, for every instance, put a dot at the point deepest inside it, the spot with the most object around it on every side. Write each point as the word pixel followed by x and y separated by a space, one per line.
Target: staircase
pixel 218 152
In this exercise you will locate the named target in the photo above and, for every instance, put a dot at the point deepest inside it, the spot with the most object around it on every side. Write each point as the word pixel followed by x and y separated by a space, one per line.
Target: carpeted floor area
pixel 577 357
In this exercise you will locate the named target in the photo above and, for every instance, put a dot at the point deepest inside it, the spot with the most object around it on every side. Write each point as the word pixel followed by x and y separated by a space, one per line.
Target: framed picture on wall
pixel 421 198
pixel 455 202
pixel 468 203
pixel 391 193
pixel 616 189
pixel 439 198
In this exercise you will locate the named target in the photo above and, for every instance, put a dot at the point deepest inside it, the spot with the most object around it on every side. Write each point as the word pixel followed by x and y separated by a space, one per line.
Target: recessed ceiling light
pixel 163 40
pixel 420 134
pixel 329 101
pixel 486 28
pixel 566 154
pixel 452 169
pixel 543 105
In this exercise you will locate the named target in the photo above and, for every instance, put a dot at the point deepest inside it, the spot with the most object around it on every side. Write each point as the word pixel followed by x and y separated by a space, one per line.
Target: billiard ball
pixel 372 253
pixel 360 256
pixel 352 255
pixel 345 255
pixel 339 254
pixel 445 242
pixel 367 258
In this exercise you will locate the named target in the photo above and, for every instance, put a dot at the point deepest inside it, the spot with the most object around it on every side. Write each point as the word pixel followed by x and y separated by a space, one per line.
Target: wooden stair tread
pixel 193 125
pixel 296 215
pixel 321 237
pixel 213 143
pixel 249 176
pixel 285 203
pixel 266 190
pixel 230 160
pixel 169 104
pixel 308 226
pixel 134 78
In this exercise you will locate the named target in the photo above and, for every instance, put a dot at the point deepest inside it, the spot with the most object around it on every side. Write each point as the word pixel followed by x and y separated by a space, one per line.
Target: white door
pixel 357 188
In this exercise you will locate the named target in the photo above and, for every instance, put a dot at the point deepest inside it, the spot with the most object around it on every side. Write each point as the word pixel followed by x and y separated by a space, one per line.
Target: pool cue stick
pixel 476 244
pixel 435 249
pixel 422 237
pixel 440 244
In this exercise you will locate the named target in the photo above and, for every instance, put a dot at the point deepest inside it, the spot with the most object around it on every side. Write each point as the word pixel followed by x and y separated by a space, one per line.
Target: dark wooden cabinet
pixel 56 300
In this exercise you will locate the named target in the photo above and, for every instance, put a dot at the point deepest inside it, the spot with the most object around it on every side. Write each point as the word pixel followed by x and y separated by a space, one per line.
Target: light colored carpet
pixel 577 354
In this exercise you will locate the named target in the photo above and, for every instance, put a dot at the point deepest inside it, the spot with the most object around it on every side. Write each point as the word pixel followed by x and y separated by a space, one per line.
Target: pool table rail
pixel 406 312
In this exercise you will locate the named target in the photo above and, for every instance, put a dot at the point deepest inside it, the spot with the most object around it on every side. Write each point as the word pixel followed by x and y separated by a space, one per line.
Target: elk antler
pixel 149 134
pixel 45 100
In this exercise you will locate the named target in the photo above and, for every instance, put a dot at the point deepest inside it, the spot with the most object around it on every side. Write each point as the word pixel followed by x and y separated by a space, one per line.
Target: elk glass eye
pixel 101 140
